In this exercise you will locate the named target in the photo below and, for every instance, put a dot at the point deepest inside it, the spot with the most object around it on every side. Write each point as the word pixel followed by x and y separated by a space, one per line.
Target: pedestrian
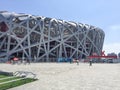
pixel 28 61
pixel 77 62
pixel 90 62
pixel 70 60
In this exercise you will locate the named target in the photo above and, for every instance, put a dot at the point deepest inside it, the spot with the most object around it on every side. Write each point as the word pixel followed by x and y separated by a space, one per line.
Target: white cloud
pixel 112 47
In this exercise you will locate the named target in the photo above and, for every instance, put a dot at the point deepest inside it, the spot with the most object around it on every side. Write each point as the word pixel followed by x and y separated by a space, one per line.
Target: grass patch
pixel 3 76
pixel 8 79
pixel 14 83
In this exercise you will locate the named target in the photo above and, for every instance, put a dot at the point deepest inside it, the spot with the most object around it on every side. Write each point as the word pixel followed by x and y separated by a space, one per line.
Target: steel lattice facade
pixel 45 39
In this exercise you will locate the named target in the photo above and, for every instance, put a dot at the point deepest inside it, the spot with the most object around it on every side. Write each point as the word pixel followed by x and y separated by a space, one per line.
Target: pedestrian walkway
pixel 66 76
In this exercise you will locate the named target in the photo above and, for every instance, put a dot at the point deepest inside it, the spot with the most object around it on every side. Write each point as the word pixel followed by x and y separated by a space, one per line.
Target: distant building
pixel 112 54
pixel 46 39
pixel 118 55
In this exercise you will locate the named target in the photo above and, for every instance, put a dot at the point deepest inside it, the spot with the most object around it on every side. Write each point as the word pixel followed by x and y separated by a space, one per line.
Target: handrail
pixel 24 74
pixel 95 56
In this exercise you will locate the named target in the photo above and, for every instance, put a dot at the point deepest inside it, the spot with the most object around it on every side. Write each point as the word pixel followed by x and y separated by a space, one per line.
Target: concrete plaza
pixel 66 76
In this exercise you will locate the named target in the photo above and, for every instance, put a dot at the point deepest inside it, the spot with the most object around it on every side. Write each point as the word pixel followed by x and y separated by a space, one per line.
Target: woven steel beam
pixel 45 39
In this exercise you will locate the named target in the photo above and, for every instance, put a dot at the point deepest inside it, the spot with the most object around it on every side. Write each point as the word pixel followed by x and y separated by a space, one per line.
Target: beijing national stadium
pixel 43 39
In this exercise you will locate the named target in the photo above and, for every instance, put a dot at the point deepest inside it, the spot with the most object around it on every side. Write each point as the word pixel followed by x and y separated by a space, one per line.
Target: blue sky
pixel 104 14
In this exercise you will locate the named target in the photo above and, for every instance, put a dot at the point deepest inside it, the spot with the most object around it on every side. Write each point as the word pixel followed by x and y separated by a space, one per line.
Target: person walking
pixel 90 62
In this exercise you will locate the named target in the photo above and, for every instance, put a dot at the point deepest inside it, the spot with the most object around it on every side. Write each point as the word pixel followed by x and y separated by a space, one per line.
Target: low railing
pixel 24 74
